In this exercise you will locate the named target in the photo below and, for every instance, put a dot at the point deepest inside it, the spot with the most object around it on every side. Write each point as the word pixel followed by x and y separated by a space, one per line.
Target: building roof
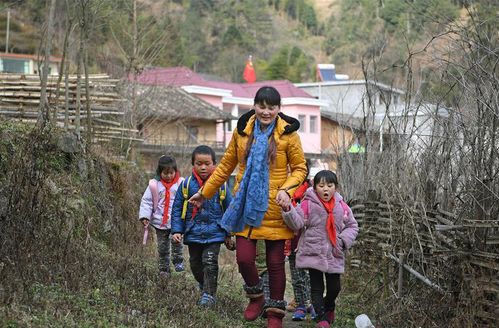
pixel 285 88
pixel 351 82
pixel 26 56
pixel 174 103
pixel 182 76
pixel 344 119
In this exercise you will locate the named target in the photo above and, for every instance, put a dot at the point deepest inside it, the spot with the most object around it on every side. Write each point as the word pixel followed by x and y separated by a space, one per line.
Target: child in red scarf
pixel 200 228
pixel 155 210
pixel 328 229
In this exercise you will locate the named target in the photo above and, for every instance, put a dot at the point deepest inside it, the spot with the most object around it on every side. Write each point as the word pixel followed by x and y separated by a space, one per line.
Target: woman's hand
pixel 177 237
pixel 283 200
pixel 196 199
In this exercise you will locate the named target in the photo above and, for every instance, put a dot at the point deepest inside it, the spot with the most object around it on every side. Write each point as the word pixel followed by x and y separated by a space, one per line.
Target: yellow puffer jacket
pixel 289 154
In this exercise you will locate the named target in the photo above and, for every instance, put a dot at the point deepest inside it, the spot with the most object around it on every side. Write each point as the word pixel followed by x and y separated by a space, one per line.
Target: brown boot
pixel 255 306
pixel 274 317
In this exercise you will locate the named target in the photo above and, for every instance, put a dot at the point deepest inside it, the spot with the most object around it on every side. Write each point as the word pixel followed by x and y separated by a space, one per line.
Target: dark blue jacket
pixel 205 227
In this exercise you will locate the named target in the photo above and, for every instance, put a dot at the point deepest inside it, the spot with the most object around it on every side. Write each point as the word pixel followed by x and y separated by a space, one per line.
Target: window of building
pixel 381 98
pixel 192 134
pixel 395 99
pixel 302 119
pixel 14 65
pixel 313 124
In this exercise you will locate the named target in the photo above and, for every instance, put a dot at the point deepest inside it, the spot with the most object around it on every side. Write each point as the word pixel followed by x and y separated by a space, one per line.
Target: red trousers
pixel 274 250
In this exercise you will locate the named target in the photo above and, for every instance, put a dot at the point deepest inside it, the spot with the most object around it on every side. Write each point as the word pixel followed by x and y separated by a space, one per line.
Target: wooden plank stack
pixel 20 100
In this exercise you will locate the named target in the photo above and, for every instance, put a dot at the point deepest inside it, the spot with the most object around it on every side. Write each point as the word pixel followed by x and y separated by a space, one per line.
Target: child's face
pixel 266 113
pixel 203 165
pixel 168 174
pixel 325 190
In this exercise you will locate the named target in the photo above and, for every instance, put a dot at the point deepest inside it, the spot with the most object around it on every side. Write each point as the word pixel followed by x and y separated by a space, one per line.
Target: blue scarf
pixel 249 206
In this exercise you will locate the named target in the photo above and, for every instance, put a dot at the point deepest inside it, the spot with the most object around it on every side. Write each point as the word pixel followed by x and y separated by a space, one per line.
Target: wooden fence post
pixel 401 275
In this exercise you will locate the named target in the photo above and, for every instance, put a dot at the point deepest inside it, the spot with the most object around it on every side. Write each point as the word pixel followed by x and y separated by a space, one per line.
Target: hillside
pixel 286 38
pixel 208 36
pixel 326 8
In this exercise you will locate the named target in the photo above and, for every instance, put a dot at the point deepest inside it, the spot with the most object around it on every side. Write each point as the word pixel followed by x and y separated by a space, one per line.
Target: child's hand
pixel 145 222
pixel 177 237
pixel 283 200
pixel 230 243
pixel 196 199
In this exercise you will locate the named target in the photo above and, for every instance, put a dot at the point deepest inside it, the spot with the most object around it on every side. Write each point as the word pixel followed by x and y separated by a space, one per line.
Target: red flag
pixel 249 71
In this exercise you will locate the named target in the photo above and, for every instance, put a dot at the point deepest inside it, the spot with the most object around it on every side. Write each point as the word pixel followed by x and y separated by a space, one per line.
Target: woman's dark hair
pixel 205 150
pixel 326 175
pixel 268 96
pixel 164 162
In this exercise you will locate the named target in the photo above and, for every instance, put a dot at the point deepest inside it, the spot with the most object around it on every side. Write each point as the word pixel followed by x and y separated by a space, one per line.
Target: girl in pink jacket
pixel 328 229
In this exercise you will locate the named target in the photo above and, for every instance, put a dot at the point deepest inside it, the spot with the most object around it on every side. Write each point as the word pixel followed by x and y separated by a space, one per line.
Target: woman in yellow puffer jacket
pixel 268 150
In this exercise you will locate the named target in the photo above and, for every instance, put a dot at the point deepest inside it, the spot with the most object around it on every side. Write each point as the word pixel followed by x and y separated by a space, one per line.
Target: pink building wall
pixel 310 140
pixel 213 100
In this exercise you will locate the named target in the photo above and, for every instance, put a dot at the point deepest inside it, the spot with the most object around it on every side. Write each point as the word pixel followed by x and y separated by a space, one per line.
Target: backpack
pixel 153 186
pixel 304 207
pixel 185 192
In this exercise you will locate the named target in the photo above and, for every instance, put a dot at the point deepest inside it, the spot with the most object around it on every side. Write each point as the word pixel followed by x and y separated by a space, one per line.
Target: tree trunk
pixel 61 70
pixel 43 110
pixel 78 91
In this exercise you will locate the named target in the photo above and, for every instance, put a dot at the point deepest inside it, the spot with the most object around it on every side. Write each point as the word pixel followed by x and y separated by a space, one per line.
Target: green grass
pixel 132 301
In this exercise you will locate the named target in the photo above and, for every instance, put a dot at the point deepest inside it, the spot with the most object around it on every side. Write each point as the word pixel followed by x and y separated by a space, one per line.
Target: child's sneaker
pixel 207 300
pixel 300 313
pixel 311 310
pixel 179 267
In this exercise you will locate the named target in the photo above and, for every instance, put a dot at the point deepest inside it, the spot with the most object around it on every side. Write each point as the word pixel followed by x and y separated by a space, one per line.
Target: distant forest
pixel 286 37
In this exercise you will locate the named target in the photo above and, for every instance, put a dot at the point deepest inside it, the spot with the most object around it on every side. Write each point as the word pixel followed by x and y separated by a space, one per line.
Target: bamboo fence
pixel 20 100
pixel 443 251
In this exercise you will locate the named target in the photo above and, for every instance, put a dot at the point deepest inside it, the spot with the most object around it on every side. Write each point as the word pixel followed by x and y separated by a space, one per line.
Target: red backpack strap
pixel 304 206
pixel 345 207
pixel 153 186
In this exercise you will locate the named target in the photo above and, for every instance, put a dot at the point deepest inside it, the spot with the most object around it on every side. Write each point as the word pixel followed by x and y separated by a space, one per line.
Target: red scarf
pixel 298 195
pixel 167 196
pixel 200 182
pixel 330 226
